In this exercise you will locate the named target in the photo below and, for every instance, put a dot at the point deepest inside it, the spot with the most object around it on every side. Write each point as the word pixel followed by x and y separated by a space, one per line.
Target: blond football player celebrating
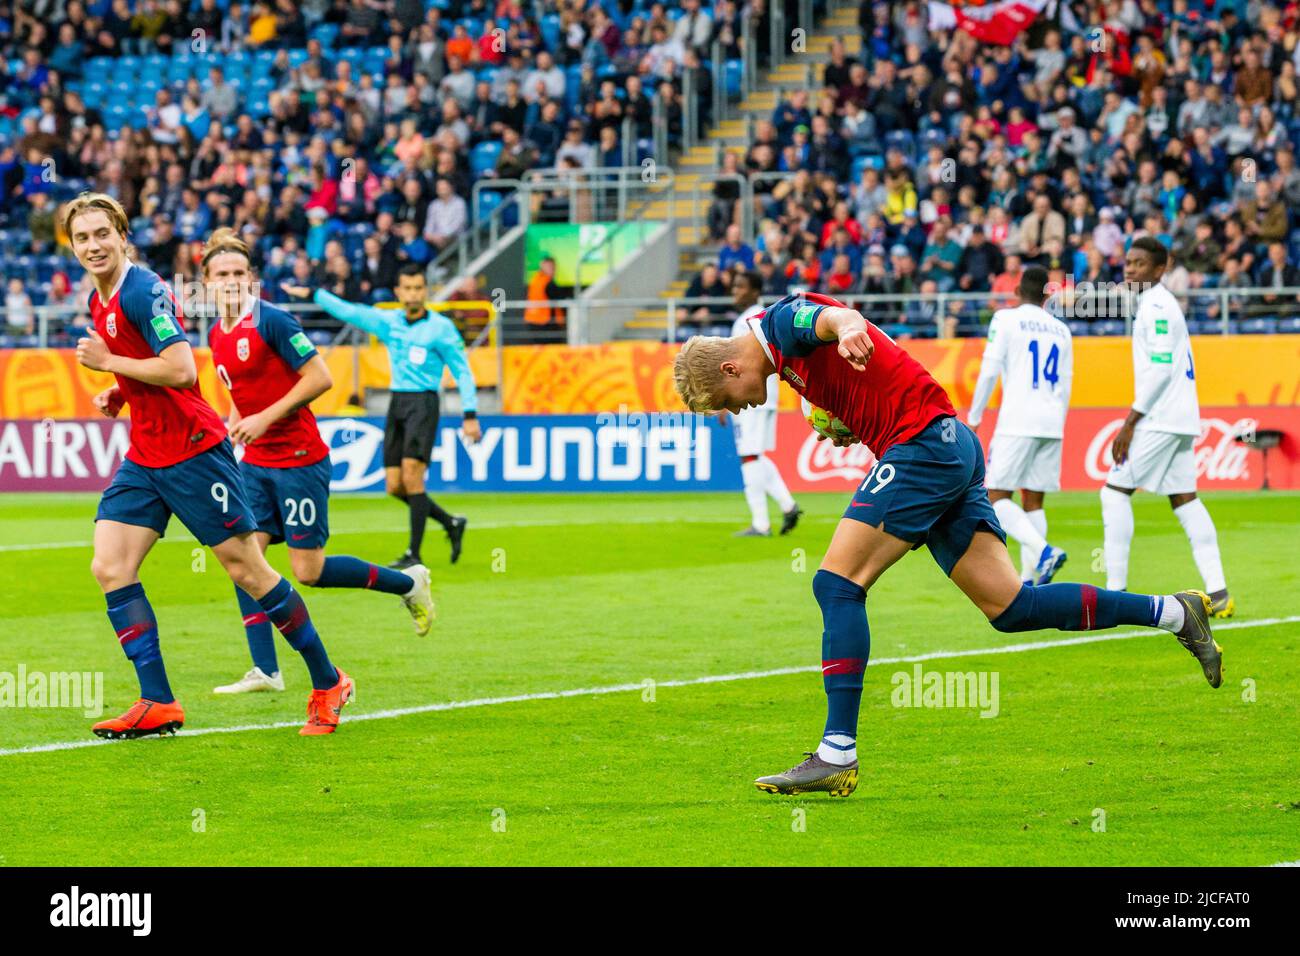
pixel 1032 352
pixel 1153 449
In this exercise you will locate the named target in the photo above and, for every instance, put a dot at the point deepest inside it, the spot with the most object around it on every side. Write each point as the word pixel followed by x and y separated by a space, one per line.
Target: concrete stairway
pixel 691 198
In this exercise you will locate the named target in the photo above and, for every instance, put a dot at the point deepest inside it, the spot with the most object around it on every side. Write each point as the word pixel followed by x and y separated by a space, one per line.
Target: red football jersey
pixel 890 401
pixel 168 425
pixel 258 360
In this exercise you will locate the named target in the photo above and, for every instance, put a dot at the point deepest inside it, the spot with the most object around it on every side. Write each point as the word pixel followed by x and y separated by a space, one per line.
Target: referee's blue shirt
pixel 417 351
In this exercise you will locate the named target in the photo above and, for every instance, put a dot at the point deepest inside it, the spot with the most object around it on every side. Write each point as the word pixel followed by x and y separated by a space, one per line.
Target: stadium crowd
pixel 934 163
pixel 341 139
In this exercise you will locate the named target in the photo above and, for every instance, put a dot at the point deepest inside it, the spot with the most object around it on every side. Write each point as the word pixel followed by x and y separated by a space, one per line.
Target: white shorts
pixel 755 430
pixel 1018 461
pixel 1159 462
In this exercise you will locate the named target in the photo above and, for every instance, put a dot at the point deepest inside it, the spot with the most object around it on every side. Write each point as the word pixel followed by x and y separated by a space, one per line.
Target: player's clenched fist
pixel 109 401
pixel 856 348
pixel 92 352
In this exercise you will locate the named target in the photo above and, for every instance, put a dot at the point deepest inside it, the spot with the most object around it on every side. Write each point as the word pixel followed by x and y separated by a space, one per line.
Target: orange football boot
pixel 145 717
pixel 324 706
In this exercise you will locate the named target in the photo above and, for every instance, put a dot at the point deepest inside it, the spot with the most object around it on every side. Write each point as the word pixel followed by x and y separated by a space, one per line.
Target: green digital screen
pixel 593 246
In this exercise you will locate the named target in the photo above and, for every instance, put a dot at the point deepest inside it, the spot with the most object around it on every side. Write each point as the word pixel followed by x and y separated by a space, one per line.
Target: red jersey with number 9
pixel 168 425
pixel 888 402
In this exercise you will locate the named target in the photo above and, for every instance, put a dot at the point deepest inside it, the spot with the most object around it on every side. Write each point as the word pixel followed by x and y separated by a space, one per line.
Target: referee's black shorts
pixel 412 427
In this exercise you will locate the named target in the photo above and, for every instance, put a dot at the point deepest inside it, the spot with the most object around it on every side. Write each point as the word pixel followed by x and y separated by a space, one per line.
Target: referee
pixel 420 343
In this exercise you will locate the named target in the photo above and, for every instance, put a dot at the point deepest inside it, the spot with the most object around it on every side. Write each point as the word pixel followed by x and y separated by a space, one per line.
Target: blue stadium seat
pixel 1108 327
pixel 1079 327
pixel 901 139
pixel 488 200
pixel 326 33
pixel 1290 326
pixel 550 26
pixel 483 158
pixel 1263 326
pixel 734 72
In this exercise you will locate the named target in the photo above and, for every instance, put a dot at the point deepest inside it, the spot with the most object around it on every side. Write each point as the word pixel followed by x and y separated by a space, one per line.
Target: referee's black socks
pixel 420 506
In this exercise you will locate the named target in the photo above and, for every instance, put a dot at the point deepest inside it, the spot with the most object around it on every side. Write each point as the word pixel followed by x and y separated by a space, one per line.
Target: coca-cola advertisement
pixel 1222 461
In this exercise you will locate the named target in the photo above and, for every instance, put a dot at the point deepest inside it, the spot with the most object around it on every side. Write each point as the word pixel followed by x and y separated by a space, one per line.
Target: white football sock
pixel 1029 561
pixel 1172 614
pixel 1117 519
pixel 1016 523
pixel 839 749
pixel 751 473
pixel 1199 526
pixel 774 484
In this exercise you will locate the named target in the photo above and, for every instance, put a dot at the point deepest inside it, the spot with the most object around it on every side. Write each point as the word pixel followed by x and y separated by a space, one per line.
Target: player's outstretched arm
pixel 368 318
pixel 451 347
pixel 173 367
pixel 850 329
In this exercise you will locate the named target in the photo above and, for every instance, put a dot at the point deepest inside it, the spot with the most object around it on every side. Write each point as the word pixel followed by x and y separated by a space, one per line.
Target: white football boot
pixel 254 680
pixel 419 600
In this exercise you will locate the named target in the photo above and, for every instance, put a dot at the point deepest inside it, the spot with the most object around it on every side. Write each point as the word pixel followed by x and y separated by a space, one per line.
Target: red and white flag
pixel 999 22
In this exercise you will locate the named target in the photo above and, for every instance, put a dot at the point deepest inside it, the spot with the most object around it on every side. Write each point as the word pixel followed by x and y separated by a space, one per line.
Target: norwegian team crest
pixel 110 324
pixel 793 376
pixel 241 349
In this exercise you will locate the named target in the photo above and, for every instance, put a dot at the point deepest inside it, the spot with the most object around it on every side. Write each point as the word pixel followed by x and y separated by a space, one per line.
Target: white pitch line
pixel 686 682
pixel 474 525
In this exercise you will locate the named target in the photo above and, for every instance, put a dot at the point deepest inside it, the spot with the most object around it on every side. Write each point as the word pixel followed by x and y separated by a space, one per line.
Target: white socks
pixel 1028 561
pixel 839 749
pixel 1172 614
pixel 1016 523
pixel 761 479
pixel 774 485
pixel 1117 519
pixel 751 473
pixel 1199 526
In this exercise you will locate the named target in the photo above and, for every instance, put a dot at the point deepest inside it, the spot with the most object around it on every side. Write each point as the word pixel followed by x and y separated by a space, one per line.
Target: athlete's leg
pixel 1016 523
pixel 413 472
pixel 986 576
pixel 244 561
pixel 858 554
pixel 1204 539
pixel 313 568
pixel 257 626
pixel 775 485
pixel 393 483
pixel 751 476
pixel 1117 525
pixel 1032 503
pixel 120 549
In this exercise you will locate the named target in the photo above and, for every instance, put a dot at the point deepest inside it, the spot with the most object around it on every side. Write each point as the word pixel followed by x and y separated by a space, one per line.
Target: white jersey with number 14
pixel 1033 353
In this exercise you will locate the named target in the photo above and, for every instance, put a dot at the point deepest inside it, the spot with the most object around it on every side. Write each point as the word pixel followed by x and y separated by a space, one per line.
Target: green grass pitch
pixel 650 592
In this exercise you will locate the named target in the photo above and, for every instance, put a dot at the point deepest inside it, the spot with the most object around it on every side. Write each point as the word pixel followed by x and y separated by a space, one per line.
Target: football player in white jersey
pixel 1153 449
pixel 1031 351
pixel 755 431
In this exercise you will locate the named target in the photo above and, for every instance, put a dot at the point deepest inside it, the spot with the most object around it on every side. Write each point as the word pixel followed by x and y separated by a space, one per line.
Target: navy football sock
pixel 846 644
pixel 438 514
pixel 261 636
pixel 1077 607
pixel 419 505
pixel 132 617
pixel 341 571
pixel 284 607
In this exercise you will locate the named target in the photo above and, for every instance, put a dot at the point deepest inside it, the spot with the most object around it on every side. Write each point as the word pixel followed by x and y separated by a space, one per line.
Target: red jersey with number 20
pixel 168 425
pixel 889 402
pixel 258 360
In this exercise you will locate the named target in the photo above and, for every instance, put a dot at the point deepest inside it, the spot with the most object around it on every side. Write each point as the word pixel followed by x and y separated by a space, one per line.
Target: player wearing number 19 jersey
pixel 273 371
pixel 1033 353
pixel 927 487
pixel 179 463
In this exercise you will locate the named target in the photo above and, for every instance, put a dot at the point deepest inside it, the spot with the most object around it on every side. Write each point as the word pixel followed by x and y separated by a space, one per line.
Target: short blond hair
pixel 224 239
pixel 697 371
pixel 90 202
